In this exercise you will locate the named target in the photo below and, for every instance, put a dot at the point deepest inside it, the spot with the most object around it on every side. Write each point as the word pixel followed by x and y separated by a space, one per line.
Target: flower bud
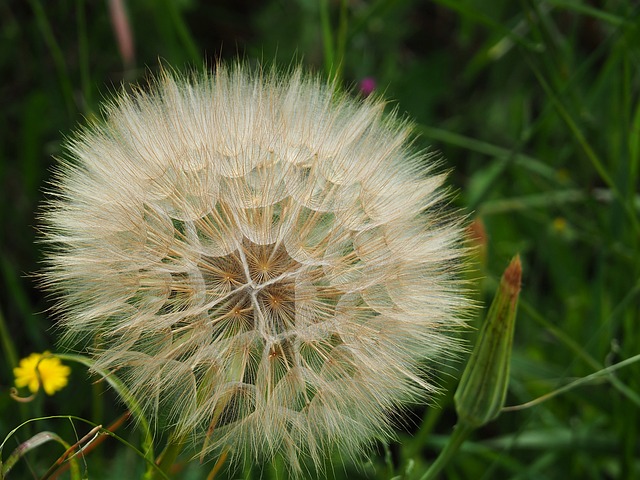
pixel 483 386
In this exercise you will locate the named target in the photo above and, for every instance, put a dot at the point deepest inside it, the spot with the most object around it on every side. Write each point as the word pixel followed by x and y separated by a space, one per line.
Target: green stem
pixel 327 38
pixel 83 56
pixel 129 400
pixel 169 454
pixel 10 353
pixel 341 40
pixel 576 383
pixel 460 433
pixel 11 356
pixel 56 55
pixel 584 144
pixel 579 351
pixel 183 31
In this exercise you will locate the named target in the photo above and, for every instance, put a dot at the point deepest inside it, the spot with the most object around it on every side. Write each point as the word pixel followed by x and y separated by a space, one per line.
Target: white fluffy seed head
pixel 265 262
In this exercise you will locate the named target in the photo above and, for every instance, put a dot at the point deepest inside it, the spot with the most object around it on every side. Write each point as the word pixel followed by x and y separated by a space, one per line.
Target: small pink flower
pixel 367 86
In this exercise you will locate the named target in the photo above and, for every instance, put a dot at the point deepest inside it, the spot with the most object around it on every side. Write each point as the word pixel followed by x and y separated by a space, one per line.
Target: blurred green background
pixel 535 106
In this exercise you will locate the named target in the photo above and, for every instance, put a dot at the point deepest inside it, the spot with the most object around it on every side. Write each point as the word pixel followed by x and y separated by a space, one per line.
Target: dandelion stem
pixel 460 434
pixel 168 456
pixel 218 466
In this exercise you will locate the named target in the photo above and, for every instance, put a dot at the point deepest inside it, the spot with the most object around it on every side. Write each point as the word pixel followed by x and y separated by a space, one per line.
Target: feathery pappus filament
pixel 265 262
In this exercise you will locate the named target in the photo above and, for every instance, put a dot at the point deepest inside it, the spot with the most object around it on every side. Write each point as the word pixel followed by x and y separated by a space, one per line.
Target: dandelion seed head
pixel 266 262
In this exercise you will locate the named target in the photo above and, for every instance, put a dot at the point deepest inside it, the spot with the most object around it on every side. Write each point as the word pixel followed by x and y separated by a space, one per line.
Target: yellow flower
pixel 42 367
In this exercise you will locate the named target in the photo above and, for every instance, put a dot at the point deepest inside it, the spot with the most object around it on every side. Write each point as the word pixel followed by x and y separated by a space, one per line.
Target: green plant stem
pixel 56 55
pixel 525 161
pixel 468 12
pixel 584 144
pixel 9 348
pixel 579 351
pixel 578 7
pixel 11 356
pixel 576 383
pixel 83 55
pixel 327 38
pixel 125 395
pixel 460 433
pixel 279 473
pixel 169 454
pixel 341 40
pixel 182 30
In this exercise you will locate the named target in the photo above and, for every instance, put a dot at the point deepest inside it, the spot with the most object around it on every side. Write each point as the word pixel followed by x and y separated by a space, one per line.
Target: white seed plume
pixel 265 262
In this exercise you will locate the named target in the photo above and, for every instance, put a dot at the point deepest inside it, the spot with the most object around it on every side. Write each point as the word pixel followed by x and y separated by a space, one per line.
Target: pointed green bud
pixel 483 386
